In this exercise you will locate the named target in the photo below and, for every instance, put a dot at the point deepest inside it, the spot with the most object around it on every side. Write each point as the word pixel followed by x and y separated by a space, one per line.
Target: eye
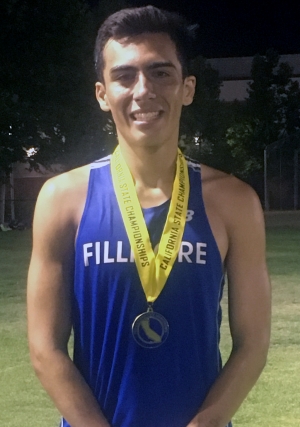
pixel 124 77
pixel 160 74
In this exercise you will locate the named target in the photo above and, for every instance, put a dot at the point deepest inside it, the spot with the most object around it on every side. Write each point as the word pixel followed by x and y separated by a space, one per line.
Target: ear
pixel 189 86
pixel 102 97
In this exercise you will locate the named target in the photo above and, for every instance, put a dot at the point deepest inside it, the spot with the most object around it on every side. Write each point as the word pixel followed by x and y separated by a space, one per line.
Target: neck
pixel 153 170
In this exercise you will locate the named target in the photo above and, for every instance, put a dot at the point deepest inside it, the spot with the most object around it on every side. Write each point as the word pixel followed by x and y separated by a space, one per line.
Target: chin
pixel 145 139
pixel 149 142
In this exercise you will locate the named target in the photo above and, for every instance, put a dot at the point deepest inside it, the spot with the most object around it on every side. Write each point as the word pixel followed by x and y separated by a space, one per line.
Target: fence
pixel 281 176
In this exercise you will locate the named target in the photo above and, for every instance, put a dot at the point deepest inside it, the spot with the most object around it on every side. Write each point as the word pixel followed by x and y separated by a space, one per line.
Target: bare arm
pixel 49 309
pixel 249 311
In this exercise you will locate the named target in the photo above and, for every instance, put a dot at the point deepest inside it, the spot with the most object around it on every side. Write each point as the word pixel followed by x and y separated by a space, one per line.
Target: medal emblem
pixel 150 329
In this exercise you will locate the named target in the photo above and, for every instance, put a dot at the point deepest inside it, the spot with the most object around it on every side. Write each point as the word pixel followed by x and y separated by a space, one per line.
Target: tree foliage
pixel 47 83
pixel 203 122
pixel 272 113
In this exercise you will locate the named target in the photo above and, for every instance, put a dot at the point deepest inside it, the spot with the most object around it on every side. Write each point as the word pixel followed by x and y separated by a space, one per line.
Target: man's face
pixel 144 89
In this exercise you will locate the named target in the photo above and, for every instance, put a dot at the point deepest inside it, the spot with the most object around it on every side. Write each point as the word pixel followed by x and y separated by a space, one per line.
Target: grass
pixel 23 403
pixel 274 402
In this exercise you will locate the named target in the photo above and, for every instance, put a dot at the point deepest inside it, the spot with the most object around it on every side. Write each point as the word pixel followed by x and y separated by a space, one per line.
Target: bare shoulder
pixel 233 207
pixel 65 194
pixel 230 195
pixel 67 182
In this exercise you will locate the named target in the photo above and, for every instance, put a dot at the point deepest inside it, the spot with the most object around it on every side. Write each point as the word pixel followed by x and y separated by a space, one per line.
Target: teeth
pixel 146 116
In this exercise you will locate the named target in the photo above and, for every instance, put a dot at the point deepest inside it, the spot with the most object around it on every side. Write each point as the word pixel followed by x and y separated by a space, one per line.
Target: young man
pixel 154 234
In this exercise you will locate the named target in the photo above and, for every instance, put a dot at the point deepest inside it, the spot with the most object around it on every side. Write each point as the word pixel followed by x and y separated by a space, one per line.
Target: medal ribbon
pixel 153 269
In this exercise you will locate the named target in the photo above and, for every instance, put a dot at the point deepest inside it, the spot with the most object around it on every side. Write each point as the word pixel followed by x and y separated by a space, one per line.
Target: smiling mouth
pixel 146 116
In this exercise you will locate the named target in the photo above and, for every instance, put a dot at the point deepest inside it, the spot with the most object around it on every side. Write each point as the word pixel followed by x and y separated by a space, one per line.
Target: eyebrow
pixel 160 65
pixel 152 66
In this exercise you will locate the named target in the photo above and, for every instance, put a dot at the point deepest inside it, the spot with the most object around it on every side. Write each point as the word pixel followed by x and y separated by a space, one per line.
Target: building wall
pixel 236 73
pixel 26 187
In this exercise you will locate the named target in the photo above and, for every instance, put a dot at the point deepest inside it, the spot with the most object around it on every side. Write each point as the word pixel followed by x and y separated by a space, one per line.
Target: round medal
pixel 150 329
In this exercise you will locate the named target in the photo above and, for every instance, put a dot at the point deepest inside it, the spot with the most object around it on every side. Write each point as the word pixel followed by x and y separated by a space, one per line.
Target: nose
pixel 143 88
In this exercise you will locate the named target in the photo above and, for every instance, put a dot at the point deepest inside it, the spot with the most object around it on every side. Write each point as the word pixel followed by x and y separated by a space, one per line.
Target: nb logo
pixel 189 215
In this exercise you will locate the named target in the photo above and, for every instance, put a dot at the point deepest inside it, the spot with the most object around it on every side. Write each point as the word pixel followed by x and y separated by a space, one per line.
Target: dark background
pixel 238 28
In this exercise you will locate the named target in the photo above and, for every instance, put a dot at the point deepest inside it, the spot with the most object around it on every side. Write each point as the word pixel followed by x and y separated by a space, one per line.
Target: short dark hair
pixel 131 22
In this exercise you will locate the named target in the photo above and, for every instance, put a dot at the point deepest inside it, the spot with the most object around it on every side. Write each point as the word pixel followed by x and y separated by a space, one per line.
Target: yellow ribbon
pixel 153 269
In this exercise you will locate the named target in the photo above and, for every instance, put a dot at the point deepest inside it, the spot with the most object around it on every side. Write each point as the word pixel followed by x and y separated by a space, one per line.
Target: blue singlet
pixel 136 386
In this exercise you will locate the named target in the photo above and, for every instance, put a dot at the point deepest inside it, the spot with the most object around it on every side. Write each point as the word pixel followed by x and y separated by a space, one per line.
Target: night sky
pixel 239 28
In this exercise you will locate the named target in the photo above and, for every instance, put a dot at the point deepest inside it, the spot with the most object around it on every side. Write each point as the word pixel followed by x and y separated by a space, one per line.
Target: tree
pixel 47 84
pixel 271 113
pixel 35 76
pixel 202 123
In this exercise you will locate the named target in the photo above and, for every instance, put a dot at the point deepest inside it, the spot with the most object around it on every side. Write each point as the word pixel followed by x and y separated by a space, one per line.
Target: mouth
pixel 146 117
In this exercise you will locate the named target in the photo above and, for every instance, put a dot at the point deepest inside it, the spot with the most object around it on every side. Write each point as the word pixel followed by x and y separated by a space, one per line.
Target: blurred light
pixel 31 151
